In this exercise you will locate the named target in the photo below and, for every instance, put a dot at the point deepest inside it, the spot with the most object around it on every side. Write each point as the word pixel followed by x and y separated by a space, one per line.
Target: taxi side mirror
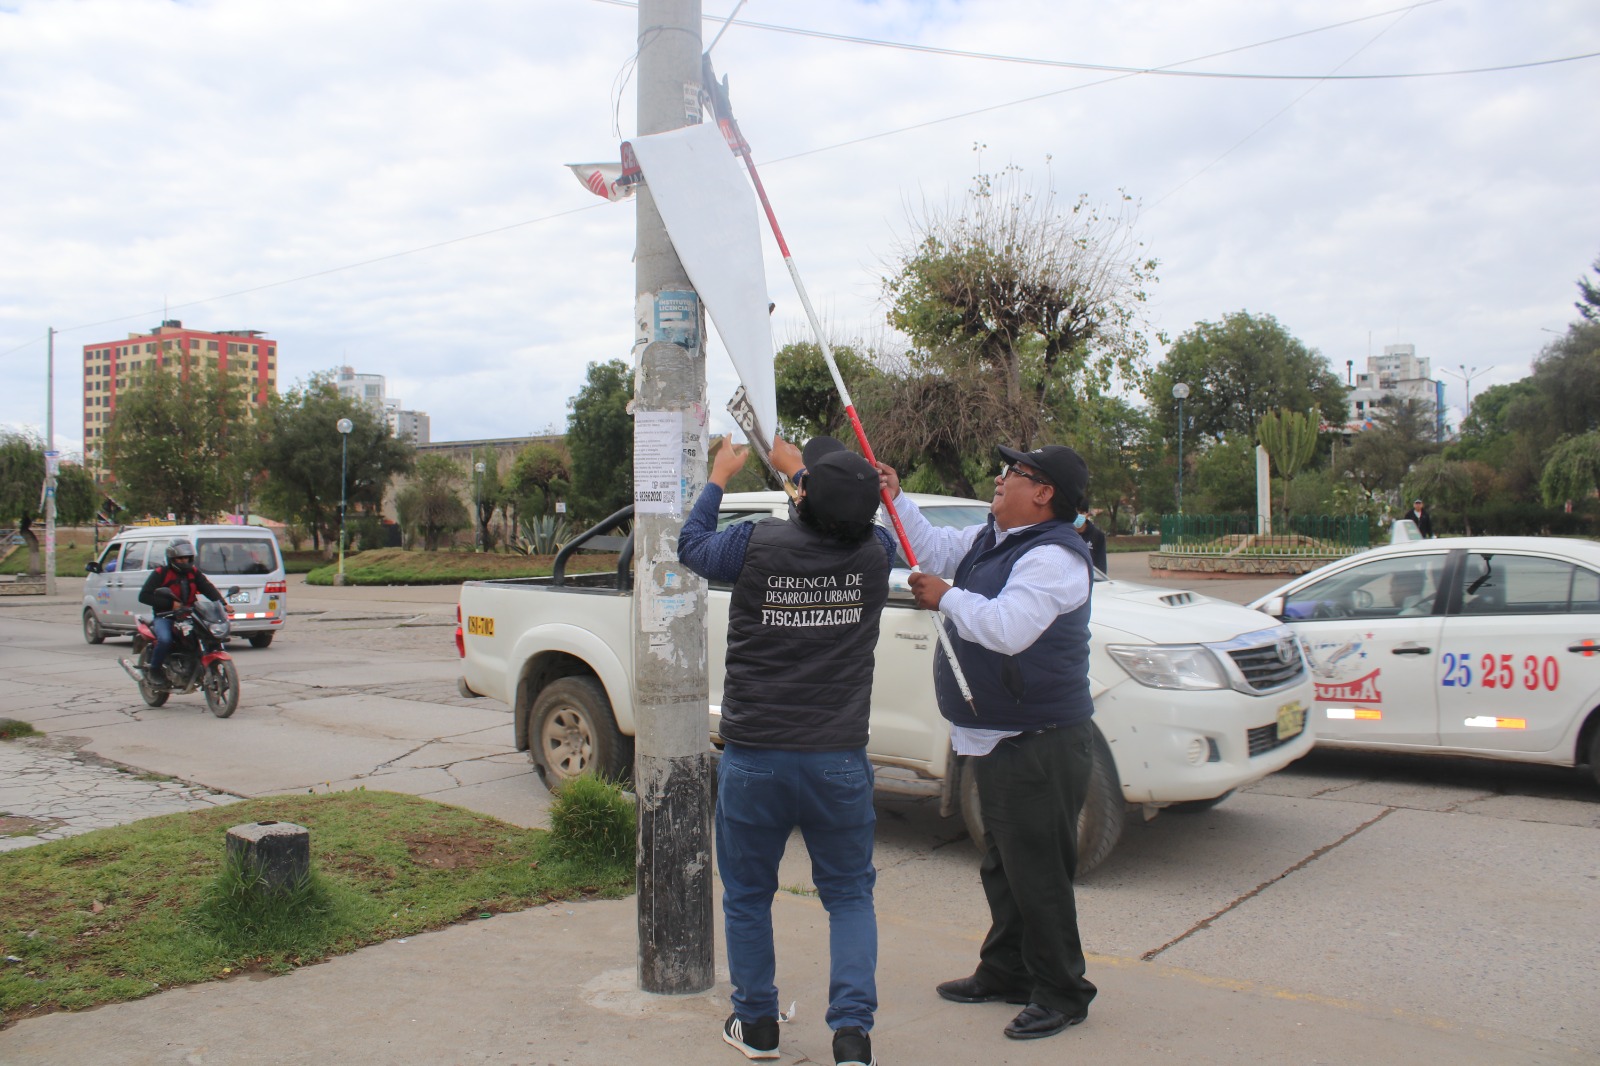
pixel 1273 606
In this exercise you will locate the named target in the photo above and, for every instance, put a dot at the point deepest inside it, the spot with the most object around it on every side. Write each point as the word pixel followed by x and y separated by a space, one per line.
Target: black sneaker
pixel 852 1047
pixel 157 676
pixel 757 1039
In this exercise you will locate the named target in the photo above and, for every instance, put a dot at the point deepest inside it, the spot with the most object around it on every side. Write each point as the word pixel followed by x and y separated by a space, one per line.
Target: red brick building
pixel 111 366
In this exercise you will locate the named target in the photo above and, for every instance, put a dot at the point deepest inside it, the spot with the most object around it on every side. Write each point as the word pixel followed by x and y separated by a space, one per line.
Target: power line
pixel 1168 70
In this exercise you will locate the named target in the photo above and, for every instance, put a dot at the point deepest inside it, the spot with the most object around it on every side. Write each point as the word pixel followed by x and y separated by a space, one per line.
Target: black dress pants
pixel 1032 788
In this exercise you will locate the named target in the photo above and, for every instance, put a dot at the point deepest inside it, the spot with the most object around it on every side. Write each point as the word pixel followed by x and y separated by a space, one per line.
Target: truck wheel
pixel 1099 823
pixel 573 733
pixel 92 633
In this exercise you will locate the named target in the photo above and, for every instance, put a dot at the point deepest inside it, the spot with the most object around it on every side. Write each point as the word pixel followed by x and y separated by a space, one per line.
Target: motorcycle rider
pixel 177 584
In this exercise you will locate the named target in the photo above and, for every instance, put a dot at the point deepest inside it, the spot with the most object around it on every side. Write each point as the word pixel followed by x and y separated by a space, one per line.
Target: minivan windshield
pixel 238 555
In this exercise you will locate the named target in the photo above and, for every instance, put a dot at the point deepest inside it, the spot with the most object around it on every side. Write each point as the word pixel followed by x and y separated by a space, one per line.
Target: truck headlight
pixel 1180 666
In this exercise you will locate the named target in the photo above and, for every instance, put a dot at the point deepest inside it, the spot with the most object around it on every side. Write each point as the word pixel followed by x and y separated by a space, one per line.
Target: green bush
pixel 592 821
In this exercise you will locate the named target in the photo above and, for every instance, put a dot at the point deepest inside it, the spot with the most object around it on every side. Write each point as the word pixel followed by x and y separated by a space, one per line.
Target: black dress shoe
pixel 975 990
pixel 1035 1021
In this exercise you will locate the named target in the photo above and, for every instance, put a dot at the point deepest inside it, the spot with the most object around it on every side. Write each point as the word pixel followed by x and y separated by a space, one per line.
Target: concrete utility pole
pixel 672 768
pixel 50 460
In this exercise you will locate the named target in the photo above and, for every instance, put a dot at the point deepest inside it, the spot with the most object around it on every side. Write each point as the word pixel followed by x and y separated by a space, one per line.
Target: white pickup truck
pixel 1193 697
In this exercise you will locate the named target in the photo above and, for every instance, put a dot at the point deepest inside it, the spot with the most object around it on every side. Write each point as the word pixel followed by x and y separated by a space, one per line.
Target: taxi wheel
pixel 92 633
pixel 572 732
pixel 1099 823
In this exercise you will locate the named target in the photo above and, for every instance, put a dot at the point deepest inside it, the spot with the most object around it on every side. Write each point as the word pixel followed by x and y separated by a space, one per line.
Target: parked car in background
pixel 1486 646
pixel 246 556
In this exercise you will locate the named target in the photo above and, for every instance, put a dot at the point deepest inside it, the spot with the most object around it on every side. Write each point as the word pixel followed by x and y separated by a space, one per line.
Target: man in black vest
pixel 802 631
pixel 1018 614
pixel 1420 517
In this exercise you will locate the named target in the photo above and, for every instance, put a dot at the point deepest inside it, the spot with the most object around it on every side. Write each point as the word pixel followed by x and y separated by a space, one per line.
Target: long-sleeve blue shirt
pixel 720 556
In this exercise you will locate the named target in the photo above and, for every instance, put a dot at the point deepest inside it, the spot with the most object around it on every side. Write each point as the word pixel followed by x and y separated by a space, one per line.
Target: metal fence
pixel 1225 535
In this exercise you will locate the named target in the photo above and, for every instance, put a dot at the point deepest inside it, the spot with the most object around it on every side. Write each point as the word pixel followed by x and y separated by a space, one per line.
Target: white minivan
pixel 243 556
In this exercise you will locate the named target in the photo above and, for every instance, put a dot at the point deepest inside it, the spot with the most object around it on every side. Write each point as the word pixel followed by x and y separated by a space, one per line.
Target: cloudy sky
pixel 381 183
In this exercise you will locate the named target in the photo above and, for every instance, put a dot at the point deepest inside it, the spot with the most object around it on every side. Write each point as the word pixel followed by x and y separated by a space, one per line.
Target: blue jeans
pixel 163 644
pixel 762 796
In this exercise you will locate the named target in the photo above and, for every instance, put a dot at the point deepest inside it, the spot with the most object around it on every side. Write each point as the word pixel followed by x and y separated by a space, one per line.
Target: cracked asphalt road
pixel 1444 892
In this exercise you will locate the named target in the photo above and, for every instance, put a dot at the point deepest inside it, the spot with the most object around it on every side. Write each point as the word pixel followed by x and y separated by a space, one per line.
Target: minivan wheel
pixel 92 633
pixel 1099 823
pixel 261 640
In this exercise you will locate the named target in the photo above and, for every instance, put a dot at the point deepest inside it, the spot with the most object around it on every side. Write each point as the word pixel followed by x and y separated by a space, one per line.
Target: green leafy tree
pixel 1567 375
pixel 600 441
pixel 1572 471
pixel 76 495
pixel 1224 477
pixel 488 493
pixel 1239 369
pixel 179 444
pixel 430 505
pixel 21 479
pixel 808 400
pixel 1379 458
pixel 1111 434
pixel 540 476
pixel 304 453
pixel 1447 484
pixel 1012 303
pixel 1589 304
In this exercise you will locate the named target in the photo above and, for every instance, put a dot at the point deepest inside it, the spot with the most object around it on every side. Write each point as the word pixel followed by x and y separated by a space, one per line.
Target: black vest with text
pixel 1046 684
pixel 802 630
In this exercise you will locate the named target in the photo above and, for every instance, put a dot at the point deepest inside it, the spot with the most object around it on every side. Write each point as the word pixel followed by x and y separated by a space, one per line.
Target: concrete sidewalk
pixel 557 985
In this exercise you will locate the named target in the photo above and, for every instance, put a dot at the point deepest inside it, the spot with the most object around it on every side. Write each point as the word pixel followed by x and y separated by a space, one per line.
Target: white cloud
pixel 163 153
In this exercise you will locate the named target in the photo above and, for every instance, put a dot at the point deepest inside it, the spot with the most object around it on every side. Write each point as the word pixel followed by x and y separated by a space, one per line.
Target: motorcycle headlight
pixel 218 629
pixel 1179 666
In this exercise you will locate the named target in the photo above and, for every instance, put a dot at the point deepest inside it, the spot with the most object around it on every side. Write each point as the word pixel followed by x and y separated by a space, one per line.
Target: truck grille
pixel 1269 666
pixel 1264 738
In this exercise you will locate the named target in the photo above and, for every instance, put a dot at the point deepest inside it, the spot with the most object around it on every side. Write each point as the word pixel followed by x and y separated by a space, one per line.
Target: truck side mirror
pixel 1273 606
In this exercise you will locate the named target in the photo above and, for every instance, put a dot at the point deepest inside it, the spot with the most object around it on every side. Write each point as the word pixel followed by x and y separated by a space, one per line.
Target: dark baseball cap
pixel 1063 467
pixel 817 447
pixel 840 485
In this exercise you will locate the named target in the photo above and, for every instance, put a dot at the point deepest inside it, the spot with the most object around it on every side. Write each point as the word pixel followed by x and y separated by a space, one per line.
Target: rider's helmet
pixel 180 553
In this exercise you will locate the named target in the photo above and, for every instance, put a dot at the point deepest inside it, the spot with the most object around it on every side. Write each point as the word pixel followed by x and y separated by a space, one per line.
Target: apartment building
pixel 110 367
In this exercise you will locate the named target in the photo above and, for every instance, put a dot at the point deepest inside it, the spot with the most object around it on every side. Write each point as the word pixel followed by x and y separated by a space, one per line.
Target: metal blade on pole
pixel 741 147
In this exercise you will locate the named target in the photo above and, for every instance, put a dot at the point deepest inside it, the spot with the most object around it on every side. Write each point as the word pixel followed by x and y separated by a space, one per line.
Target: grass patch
pixel 397 566
pixel 595 823
pixel 12 729
pixel 120 913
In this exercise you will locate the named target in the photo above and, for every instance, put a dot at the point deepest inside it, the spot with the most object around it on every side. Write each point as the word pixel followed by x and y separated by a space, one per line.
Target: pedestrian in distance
pixel 808 591
pixel 1420 516
pixel 1094 536
pixel 1018 614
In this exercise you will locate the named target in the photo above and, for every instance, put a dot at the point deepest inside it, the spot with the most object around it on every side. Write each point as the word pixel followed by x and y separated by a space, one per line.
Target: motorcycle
pixel 197 658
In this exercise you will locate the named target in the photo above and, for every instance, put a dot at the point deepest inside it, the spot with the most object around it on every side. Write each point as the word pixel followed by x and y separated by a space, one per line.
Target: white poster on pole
pixel 657 462
pixel 711 215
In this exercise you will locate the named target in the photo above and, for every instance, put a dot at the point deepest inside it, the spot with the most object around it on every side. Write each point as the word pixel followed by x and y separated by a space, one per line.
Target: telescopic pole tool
pixel 718 92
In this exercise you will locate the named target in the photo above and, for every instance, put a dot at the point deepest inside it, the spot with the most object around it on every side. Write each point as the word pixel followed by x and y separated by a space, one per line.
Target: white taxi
pixel 1486 646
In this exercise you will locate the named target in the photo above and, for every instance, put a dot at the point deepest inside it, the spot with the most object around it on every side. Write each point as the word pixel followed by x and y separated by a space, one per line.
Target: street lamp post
pixel 1180 392
pixel 344 426
pixel 477 504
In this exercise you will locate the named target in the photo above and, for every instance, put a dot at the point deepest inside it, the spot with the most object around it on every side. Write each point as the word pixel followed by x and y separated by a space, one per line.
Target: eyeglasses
pixel 1010 468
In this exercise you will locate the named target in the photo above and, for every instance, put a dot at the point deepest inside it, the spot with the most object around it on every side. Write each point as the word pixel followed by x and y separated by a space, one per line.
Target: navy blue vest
pixel 1046 684
pixel 802 635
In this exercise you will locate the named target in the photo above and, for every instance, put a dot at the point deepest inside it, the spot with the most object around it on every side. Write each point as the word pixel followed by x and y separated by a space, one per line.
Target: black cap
pixel 817 447
pixel 842 486
pixel 1063 467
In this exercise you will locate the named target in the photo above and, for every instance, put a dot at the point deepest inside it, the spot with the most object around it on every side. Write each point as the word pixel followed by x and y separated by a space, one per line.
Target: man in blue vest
pixel 802 632
pixel 1018 614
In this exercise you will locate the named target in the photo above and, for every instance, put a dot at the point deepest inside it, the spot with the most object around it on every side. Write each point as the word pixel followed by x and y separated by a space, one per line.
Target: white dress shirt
pixel 1046 582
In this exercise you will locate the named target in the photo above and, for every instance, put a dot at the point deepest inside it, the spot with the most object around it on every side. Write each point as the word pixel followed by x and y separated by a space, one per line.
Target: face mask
pixel 1077 523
